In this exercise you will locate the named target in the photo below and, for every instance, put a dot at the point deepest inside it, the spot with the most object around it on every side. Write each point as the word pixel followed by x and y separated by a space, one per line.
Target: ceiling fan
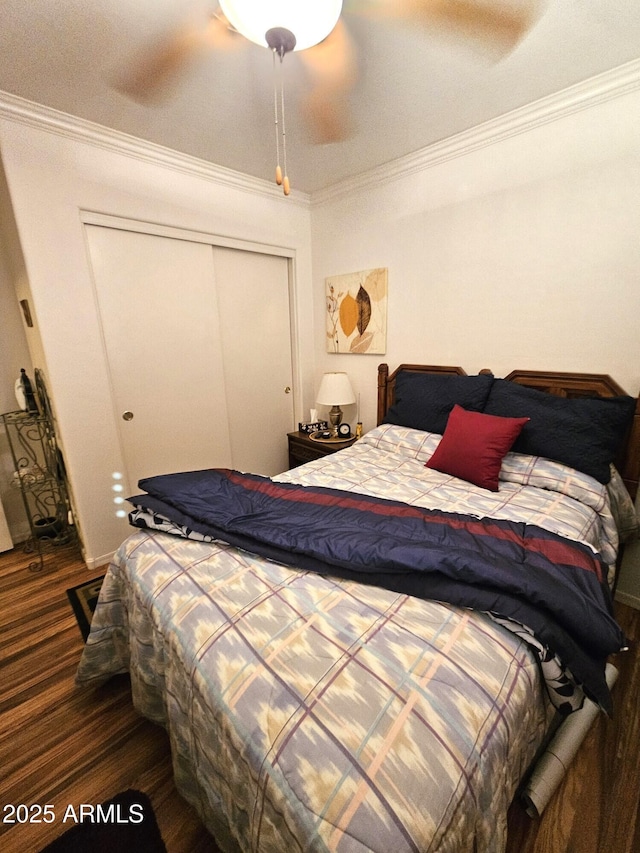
pixel 317 30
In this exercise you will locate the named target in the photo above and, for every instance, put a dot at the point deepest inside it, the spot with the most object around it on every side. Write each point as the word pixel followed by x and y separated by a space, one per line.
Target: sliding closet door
pixel 161 329
pixel 198 345
pixel 253 300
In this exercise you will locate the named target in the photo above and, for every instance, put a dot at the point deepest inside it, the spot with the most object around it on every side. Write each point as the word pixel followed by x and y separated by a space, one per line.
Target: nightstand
pixel 304 449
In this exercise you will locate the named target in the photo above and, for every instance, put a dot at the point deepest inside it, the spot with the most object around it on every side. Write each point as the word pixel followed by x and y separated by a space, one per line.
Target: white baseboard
pixel 20 533
pixel 96 562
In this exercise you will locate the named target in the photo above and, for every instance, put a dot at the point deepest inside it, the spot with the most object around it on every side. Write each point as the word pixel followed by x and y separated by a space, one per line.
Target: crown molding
pixel 22 111
pixel 581 96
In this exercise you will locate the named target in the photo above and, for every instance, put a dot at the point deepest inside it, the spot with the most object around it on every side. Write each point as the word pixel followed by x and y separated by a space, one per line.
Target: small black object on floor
pixel 83 599
pixel 124 823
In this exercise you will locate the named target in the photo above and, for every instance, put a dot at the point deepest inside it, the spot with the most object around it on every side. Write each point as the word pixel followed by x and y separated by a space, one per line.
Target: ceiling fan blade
pixel 163 63
pixel 332 68
pixel 497 25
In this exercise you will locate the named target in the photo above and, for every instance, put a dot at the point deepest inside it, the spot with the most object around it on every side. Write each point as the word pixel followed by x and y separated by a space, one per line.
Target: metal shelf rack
pixel 40 476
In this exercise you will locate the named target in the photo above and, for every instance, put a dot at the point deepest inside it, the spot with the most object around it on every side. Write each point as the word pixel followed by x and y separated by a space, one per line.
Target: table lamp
pixel 335 391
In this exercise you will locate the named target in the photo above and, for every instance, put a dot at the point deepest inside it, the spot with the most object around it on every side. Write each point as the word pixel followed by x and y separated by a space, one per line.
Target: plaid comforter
pixel 315 714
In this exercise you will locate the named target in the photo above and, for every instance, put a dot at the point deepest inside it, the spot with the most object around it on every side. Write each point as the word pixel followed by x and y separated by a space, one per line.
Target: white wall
pixel 52 176
pixel 14 354
pixel 512 246
pixel 521 252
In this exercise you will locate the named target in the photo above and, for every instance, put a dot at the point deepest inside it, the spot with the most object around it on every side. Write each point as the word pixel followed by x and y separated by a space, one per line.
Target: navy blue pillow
pixel 583 432
pixel 424 400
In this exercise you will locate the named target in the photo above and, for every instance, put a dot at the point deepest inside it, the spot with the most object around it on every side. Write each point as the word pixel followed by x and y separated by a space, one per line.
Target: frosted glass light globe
pixel 310 22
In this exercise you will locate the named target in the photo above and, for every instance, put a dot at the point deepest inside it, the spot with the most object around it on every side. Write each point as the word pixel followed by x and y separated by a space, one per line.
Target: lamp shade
pixel 335 390
pixel 310 22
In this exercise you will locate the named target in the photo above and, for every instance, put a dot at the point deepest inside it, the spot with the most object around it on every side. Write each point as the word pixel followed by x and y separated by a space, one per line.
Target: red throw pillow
pixel 474 445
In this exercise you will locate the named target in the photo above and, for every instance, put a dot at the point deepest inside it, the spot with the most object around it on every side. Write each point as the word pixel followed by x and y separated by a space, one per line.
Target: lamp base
pixel 335 418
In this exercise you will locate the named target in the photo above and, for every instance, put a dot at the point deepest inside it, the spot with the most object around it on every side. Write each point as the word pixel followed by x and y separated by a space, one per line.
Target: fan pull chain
pixel 275 112
pixel 285 179
pixel 281 41
pixel 281 179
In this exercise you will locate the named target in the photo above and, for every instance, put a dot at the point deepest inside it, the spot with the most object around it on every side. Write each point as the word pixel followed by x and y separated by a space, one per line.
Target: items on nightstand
pixel 359 423
pixel 306 448
pixel 313 426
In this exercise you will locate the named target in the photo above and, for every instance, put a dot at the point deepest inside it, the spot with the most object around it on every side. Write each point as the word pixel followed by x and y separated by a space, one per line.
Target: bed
pixel 367 652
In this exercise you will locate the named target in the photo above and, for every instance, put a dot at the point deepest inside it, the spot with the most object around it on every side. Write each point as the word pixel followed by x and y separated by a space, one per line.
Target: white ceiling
pixel 414 87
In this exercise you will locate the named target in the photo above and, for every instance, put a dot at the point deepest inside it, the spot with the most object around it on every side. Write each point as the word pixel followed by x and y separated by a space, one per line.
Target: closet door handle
pixel 127 416
pixel 287 390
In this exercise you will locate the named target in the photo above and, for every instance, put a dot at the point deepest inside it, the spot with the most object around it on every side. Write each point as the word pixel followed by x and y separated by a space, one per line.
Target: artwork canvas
pixel 357 312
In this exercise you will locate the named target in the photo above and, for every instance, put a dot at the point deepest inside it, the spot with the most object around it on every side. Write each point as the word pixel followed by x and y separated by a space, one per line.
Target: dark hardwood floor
pixel 60 745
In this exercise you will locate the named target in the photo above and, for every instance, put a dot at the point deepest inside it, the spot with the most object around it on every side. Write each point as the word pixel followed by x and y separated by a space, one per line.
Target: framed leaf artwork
pixel 357 312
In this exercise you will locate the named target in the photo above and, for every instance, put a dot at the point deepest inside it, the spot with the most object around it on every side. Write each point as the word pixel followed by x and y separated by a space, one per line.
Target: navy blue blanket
pixel 554 586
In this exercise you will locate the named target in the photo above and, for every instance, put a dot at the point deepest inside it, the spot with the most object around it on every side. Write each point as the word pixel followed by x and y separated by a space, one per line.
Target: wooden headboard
pixel 557 383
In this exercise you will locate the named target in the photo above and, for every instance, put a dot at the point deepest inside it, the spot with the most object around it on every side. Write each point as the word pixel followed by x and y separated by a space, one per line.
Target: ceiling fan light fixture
pixel 310 22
